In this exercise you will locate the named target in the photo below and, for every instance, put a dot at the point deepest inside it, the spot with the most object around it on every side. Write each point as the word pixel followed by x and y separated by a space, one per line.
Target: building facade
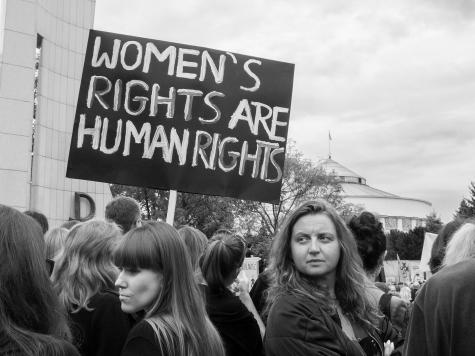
pixel 394 212
pixel 42 48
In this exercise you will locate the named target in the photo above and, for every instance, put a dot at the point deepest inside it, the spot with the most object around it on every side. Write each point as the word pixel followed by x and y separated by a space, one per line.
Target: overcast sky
pixel 394 81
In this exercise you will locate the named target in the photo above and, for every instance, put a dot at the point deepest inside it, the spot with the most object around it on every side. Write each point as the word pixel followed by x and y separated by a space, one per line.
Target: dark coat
pixel 103 330
pixel 236 325
pixel 442 321
pixel 298 326
pixel 142 341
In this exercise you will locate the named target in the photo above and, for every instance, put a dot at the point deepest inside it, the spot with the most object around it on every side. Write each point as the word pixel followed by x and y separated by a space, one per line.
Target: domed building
pixel 394 211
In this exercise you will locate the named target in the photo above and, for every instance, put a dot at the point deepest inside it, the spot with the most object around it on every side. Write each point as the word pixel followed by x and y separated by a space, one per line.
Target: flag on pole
pixel 329 136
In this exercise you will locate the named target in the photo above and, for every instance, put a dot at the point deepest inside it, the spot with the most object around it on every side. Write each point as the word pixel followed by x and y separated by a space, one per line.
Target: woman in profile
pixel 32 322
pixel 84 277
pixel 318 304
pixel 195 242
pixel 156 277
pixel 371 242
pixel 235 317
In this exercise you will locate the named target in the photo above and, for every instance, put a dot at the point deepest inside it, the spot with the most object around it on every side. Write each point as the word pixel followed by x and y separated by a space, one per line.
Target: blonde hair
pixel 177 315
pixel 54 240
pixel 85 267
pixel 462 245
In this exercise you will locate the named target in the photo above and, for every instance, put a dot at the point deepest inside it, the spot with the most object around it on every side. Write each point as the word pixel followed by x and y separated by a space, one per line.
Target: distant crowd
pixel 123 286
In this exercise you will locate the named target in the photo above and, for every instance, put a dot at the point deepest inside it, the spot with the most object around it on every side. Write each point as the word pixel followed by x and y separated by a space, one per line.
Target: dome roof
pixel 354 185
pixel 393 211
pixel 343 174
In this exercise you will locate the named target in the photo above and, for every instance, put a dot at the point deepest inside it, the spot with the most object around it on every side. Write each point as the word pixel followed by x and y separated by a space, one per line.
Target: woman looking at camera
pixel 317 301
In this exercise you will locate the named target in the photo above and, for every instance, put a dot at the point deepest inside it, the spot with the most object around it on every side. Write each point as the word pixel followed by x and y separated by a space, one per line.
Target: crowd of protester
pixel 123 286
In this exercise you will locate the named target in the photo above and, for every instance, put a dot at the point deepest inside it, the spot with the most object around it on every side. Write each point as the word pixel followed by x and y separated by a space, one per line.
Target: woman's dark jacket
pixel 235 323
pixel 103 330
pixel 298 325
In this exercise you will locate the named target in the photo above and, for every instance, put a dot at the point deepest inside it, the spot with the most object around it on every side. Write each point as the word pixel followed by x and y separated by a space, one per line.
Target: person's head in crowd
pixel 371 242
pixel 39 218
pixel 156 276
pixel 85 266
pixel 440 244
pixel 383 286
pixel 32 321
pixel 462 244
pixel 336 265
pixel 125 212
pixel 222 260
pixel 195 242
pixel 54 239
pixel 69 224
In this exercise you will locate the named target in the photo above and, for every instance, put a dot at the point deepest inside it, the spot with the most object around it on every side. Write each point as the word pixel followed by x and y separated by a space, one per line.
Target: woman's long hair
pixel 350 276
pixel 462 245
pixel 85 266
pixel 196 243
pixel 54 239
pixel 31 318
pixel 178 314
pixel 221 260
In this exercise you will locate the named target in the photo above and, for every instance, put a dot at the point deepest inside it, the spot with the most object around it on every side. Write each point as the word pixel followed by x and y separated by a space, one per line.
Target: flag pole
pixel 329 145
pixel 171 207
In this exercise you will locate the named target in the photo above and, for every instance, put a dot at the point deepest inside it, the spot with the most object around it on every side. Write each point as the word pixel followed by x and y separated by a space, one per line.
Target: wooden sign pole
pixel 171 207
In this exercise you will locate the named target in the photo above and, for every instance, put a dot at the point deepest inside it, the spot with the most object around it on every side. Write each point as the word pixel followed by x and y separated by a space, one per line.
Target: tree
pixel 153 202
pixel 408 245
pixel 206 213
pixel 433 223
pixel 467 206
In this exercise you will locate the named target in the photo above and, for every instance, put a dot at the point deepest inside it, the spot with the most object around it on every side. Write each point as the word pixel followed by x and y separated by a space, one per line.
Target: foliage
pixel 467 206
pixel 408 245
pixel 206 213
pixel 257 222
pixel 433 223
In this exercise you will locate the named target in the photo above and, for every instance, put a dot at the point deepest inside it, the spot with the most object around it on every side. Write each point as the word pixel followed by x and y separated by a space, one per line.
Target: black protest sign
pixel 172 116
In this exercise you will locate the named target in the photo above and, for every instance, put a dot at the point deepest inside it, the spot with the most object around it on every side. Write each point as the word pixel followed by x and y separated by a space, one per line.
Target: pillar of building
pixel 34 144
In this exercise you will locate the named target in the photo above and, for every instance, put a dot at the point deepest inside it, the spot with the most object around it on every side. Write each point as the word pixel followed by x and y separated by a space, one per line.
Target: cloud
pixel 393 81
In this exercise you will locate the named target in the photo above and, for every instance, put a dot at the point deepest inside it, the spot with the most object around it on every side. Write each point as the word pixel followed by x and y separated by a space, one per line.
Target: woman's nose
pixel 314 245
pixel 120 282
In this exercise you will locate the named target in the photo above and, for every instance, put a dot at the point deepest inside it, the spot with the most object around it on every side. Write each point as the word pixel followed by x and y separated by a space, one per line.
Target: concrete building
pixel 395 212
pixel 42 47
